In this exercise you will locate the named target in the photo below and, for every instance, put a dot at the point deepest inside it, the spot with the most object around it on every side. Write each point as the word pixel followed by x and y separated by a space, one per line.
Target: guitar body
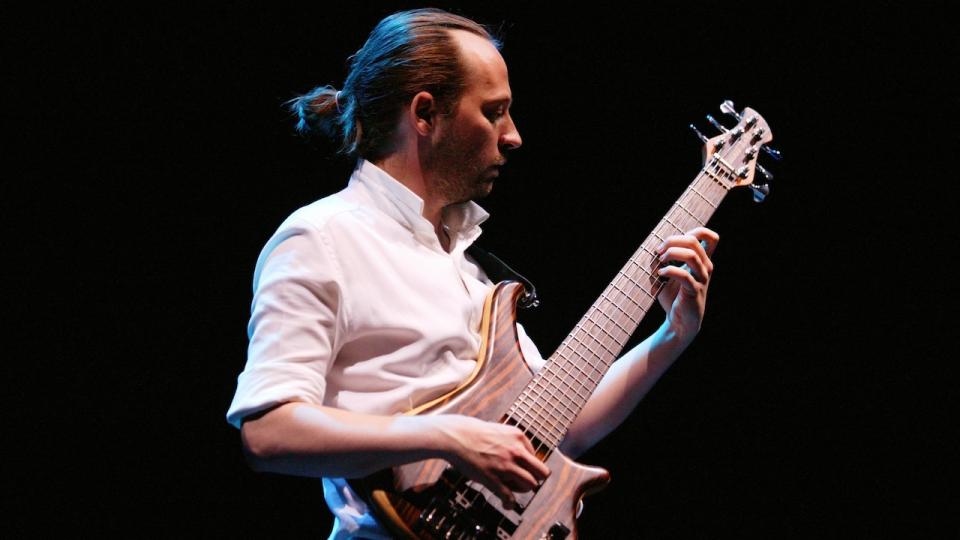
pixel 430 500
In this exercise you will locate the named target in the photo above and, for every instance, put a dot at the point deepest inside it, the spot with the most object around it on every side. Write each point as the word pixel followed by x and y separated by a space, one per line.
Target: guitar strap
pixel 498 271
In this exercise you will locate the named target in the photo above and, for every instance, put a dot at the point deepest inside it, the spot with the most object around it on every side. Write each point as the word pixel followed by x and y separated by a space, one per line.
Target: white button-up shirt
pixel 357 306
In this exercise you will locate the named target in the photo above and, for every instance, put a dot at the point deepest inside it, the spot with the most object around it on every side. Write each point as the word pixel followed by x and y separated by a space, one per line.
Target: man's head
pixel 406 53
pixel 463 148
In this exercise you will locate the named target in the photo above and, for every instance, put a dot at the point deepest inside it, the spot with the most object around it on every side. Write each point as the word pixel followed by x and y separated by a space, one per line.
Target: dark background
pixel 149 159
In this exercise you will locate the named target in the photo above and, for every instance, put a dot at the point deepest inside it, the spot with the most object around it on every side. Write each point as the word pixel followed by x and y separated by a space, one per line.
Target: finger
pixel 686 280
pixel 696 262
pixel 506 496
pixel 691 242
pixel 529 460
pixel 709 236
pixel 532 464
pixel 496 486
pixel 517 479
pixel 702 242
pixel 522 437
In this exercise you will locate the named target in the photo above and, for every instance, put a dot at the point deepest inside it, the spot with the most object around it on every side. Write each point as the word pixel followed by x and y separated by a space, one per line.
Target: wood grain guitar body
pixel 430 500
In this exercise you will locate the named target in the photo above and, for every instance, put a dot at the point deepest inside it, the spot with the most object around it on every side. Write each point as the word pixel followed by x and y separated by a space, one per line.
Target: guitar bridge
pixel 458 510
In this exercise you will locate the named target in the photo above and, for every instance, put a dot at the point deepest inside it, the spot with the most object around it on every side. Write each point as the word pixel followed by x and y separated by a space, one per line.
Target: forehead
pixel 486 71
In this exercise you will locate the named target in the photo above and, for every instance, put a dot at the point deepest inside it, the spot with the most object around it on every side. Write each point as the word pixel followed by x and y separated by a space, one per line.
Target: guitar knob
pixel 775 154
pixel 716 124
pixel 728 108
pixel 766 174
pixel 760 192
pixel 699 135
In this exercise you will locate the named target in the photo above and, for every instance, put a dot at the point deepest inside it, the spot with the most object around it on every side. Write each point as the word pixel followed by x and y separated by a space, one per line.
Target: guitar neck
pixel 557 394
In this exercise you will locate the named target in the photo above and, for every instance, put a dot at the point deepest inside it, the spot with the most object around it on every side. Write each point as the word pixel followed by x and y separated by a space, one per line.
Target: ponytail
pixel 327 111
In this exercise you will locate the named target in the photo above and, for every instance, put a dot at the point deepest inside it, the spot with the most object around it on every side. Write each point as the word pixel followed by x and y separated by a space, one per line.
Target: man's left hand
pixel 684 296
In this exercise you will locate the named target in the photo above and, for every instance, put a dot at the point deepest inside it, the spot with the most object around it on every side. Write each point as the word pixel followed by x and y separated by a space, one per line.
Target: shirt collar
pixel 462 220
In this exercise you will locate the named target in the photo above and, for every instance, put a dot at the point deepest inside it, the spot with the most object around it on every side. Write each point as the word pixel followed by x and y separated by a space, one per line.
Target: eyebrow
pixel 507 100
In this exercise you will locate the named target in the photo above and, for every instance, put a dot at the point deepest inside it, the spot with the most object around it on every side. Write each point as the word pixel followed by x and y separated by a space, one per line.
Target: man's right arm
pixel 312 440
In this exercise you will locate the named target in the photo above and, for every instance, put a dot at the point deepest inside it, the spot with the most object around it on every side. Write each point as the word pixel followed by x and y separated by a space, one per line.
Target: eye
pixel 495 113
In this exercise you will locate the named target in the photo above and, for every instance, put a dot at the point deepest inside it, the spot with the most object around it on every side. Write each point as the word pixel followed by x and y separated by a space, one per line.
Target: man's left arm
pixel 683 298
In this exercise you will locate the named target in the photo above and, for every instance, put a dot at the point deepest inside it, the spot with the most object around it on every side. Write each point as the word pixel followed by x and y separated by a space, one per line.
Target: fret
pixel 611 336
pixel 603 328
pixel 538 428
pixel 621 310
pixel 578 387
pixel 603 346
pixel 585 345
pixel 646 272
pixel 570 375
pixel 714 176
pixel 708 201
pixel 582 358
pixel 630 281
pixel 534 417
pixel 637 285
pixel 617 322
pixel 684 208
pixel 559 406
pixel 672 224
pixel 556 395
pixel 550 421
pixel 528 403
pixel 573 375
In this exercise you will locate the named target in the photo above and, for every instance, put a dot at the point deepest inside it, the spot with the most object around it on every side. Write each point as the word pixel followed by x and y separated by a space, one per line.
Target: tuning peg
pixel 775 154
pixel 760 192
pixel 766 174
pixel 727 108
pixel 702 137
pixel 716 124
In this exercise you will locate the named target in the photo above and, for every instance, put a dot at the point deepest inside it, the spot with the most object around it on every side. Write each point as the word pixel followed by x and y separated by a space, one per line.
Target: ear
pixel 423 111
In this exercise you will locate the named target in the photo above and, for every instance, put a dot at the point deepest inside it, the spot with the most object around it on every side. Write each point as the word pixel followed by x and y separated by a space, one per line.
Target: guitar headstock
pixel 734 151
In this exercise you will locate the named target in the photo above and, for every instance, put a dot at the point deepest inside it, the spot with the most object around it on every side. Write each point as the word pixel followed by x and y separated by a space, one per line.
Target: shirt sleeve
pixel 294 325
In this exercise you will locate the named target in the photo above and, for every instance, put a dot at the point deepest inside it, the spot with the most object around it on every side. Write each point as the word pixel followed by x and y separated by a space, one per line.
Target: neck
pixel 407 170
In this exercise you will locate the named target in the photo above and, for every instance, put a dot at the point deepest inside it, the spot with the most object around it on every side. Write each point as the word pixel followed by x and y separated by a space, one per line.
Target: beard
pixel 461 173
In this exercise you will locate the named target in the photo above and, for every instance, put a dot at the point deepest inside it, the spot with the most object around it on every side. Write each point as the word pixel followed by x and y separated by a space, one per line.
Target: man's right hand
pixel 314 440
pixel 497 455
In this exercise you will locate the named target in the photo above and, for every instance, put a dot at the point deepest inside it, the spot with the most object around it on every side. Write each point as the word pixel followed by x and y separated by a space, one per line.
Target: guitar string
pixel 604 342
pixel 565 367
pixel 569 365
pixel 676 213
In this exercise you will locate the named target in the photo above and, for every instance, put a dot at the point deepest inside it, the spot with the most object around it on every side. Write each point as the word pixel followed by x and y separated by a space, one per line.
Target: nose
pixel 510 138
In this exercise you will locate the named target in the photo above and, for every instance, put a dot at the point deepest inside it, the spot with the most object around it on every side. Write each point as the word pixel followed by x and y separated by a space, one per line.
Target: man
pixel 366 305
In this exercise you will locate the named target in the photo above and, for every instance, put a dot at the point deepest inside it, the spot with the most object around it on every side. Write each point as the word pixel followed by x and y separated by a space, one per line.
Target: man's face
pixel 470 142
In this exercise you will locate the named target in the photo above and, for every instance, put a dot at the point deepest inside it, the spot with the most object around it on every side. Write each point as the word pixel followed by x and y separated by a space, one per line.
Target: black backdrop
pixel 149 159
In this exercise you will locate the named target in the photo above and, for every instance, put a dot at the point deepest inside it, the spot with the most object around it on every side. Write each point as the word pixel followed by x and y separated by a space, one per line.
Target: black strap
pixel 498 270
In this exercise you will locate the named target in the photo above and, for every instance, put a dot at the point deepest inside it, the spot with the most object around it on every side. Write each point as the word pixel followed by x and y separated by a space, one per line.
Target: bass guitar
pixel 430 500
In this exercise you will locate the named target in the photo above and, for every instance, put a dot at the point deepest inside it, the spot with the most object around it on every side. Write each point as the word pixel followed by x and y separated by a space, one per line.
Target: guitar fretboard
pixel 557 394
